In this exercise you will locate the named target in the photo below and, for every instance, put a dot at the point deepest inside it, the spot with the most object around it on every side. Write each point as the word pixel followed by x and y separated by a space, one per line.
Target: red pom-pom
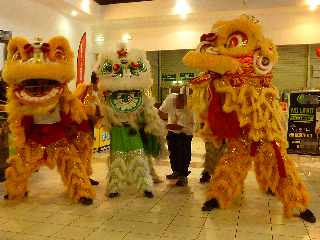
pixel 318 52
pixel 135 65
pixel 116 67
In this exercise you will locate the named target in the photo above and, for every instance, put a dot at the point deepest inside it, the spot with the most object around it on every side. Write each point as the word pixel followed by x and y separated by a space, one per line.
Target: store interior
pixel 167 30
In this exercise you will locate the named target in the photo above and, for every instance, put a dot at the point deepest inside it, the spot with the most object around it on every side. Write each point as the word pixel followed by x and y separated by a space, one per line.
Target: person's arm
pixel 164 108
pixel 163 115
pixel 174 126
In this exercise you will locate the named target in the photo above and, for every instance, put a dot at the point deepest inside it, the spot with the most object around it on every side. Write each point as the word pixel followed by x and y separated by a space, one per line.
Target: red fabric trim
pixel 46 134
pixel 280 160
pixel 254 148
pixel 223 125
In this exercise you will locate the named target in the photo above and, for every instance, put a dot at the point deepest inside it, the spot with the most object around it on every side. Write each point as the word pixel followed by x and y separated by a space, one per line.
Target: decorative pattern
pixel 127 168
pixel 124 101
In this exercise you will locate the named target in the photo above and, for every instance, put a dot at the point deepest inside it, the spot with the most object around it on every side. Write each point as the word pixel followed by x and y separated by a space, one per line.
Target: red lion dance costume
pixel 235 102
pixel 48 122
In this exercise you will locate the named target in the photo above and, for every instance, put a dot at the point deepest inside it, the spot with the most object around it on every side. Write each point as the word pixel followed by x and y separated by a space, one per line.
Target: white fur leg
pixel 117 176
pixel 139 170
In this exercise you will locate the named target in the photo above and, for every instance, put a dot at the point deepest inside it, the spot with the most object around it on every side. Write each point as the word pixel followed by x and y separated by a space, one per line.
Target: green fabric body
pixel 125 139
pixel 151 145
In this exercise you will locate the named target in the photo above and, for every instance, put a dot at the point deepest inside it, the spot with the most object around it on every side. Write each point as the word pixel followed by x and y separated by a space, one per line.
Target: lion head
pixel 229 42
pixel 37 73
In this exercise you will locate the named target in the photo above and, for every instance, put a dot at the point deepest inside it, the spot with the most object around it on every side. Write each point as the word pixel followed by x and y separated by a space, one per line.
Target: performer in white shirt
pixel 180 125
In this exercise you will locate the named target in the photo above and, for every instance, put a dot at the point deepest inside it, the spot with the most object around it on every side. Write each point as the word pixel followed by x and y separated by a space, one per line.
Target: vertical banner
pixel 304 122
pixel 81 59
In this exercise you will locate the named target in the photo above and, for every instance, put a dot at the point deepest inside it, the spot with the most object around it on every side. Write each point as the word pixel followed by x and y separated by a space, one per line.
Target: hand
pixel 174 126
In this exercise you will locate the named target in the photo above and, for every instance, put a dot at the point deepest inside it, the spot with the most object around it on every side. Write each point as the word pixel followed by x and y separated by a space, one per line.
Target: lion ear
pixel 16 49
pixel 60 50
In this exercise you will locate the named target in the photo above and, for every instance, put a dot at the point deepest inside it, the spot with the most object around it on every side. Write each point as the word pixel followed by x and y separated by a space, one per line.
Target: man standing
pixel 180 125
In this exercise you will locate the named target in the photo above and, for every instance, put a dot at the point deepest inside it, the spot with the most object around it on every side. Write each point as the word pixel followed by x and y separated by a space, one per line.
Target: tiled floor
pixel 173 214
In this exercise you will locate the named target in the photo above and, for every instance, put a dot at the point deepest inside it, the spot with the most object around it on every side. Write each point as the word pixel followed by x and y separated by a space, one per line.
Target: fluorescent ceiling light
pixel 126 37
pixel 313 4
pixel 182 8
pixel 100 38
pixel 74 13
pixel 85 6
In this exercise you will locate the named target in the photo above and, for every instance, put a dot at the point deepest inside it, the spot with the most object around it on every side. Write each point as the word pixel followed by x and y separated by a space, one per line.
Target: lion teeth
pixel 23 95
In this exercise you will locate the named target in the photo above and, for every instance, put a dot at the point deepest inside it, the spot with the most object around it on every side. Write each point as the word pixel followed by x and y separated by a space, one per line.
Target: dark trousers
pixel 179 146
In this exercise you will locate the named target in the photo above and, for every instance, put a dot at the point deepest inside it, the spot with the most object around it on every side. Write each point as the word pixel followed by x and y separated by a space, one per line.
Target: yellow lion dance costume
pixel 235 102
pixel 48 122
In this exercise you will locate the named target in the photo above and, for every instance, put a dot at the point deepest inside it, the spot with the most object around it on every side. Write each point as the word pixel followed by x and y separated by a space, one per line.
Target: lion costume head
pixel 237 59
pixel 37 75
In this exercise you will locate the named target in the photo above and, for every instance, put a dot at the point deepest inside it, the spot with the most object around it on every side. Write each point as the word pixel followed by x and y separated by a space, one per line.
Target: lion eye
pixel 237 39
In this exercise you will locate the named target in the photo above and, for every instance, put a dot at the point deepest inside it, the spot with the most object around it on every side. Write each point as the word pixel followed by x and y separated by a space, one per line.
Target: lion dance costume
pixel 47 121
pixel 135 127
pixel 236 102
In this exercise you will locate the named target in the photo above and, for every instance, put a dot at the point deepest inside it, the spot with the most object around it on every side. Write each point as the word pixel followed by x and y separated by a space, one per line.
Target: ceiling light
pixel 85 6
pixel 74 13
pixel 100 38
pixel 313 4
pixel 183 16
pixel 182 8
pixel 126 37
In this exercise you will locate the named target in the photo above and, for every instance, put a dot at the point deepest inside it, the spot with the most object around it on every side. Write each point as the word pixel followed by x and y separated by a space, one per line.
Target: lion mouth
pixel 38 90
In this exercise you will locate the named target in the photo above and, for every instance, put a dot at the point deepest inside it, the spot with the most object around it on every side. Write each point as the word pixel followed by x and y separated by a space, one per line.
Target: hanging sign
pixel 186 76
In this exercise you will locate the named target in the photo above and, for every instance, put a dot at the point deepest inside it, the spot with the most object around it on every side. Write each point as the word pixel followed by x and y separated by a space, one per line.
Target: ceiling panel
pixel 106 2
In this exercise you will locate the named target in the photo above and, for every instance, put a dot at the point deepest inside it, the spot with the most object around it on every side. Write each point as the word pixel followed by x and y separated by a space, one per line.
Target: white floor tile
pixel 45 229
pixel 103 234
pixel 7 235
pixel 73 233
pixel 173 214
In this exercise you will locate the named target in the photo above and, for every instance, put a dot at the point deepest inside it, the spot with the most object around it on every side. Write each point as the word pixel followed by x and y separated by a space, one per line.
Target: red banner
pixel 81 59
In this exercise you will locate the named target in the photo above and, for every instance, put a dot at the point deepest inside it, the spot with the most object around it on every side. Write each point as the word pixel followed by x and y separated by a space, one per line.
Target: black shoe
pixel 205 178
pixel 182 181
pixel 2 176
pixel 6 197
pixel 269 192
pixel 308 216
pixel 172 176
pixel 86 201
pixel 93 182
pixel 113 195
pixel 148 194
pixel 210 204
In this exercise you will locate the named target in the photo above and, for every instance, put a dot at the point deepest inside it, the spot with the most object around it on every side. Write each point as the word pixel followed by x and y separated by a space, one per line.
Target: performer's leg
pixel 139 171
pixel 184 159
pixel 212 156
pixel 229 176
pixel 21 166
pixel 285 183
pixel 84 144
pixel 172 140
pixel 117 175
pixel 74 174
pixel 154 175
pixel 265 166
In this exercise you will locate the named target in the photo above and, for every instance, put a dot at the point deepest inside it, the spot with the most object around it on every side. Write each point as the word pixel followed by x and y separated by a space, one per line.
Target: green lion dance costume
pixel 47 121
pixel 236 102
pixel 136 130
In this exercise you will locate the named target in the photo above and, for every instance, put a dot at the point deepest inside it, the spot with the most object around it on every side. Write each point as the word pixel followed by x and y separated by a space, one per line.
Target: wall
pixel 31 18
pixel 290 73
pixel 286 26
